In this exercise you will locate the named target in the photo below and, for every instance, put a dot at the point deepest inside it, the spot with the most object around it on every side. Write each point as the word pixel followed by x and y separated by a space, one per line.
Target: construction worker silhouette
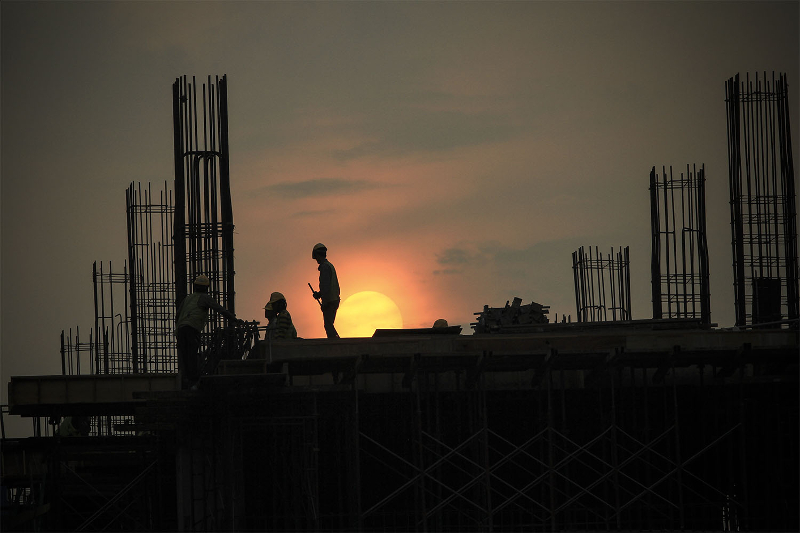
pixel 191 318
pixel 280 321
pixel 328 291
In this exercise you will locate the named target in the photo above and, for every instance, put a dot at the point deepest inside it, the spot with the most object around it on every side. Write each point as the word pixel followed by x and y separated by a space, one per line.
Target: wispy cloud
pixel 446 272
pixel 413 130
pixel 454 256
pixel 317 213
pixel 319 187
pixel 463 256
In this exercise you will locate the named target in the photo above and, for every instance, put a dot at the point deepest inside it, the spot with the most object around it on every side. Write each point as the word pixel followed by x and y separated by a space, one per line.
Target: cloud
pixel 446 272
pixel 317 213
pixel 403 130
pixel 318 187
pixel 467 255
pixel 510 261
pixel 457 256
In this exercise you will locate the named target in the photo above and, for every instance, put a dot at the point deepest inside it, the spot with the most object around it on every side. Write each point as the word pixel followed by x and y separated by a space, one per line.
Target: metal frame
pixel 666 455
pixel 152 285
pixel 679 259
pixel 762 199
pixel 111 327
pixel 595 278
pixel 203 221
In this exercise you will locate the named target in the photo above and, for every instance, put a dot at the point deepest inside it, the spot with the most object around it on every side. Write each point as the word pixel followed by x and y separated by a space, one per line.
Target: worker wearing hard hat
pixel 328 292
pixel 440 323
pixel 280 321
pixel 191 319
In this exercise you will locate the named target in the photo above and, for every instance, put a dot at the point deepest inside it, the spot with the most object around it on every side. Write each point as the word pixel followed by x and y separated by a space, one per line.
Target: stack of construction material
pixel 510 317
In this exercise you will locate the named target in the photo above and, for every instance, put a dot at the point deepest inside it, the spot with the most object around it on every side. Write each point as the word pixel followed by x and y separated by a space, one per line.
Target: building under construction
pixel 525 425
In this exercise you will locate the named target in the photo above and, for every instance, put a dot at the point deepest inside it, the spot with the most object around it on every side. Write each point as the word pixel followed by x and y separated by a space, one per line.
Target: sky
pixel 450 155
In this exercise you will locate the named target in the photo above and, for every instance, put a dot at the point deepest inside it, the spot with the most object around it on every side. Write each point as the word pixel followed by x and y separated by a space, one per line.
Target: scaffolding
pixel 564 466
pixel 762 200
pixel 596 278
pixel 679 259
pixel 581 435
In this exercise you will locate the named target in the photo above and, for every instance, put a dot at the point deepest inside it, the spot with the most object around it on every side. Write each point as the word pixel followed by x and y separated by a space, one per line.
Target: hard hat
pixel 275 296
pixel 440 323
pixel 318 246
pixel 202 280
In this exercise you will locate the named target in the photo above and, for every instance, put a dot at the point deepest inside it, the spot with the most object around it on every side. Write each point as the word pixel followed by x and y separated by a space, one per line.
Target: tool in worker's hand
pixel 312 292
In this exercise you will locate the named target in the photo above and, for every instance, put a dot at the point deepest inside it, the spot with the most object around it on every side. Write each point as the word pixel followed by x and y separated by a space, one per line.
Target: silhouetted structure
pixel 598 280
pixel 203 221
pixel 513 318
pixel 679 260
pixel 641 425
pixel 762 195
pixel 151 283
pixel 596 425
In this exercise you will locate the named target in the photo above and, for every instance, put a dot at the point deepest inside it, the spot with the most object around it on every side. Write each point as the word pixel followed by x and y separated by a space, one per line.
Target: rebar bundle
pixel 597 279
pixel 71 348
pixel 203 222
pixel 762 199
pixel 152 283
pixel 679 260
pixel 112 354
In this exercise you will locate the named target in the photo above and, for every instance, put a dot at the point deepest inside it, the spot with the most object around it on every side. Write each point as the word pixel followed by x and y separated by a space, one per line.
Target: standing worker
pixel 280 321
pixel 328 289
pixel 191 319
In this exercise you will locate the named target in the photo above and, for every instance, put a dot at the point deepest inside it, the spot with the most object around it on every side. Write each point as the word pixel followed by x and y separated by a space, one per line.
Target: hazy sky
pixel 449 154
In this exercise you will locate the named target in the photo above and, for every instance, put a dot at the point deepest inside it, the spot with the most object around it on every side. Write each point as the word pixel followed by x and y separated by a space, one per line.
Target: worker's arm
pixel 209 303
pixel 324 281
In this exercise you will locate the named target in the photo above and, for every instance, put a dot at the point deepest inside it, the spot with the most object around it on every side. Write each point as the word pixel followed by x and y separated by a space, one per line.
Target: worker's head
pixel 201 283
pixel 277 303
pixel 440 323
pixel 320 252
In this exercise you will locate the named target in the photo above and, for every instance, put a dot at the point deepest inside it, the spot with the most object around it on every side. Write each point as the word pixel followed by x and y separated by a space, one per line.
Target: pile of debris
pixel 510 317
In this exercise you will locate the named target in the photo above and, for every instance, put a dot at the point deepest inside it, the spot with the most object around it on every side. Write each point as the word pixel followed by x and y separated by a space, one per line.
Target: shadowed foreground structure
pixel 624 425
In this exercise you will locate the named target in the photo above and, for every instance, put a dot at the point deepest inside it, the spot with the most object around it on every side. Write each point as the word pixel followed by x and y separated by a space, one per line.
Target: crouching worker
pixel 191 319
pixel 280 321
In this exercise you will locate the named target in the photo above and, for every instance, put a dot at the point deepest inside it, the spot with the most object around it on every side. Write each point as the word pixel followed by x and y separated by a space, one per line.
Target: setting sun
pixel 364 312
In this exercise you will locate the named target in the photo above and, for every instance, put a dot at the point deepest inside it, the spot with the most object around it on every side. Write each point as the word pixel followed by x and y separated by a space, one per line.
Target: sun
pixel 364 312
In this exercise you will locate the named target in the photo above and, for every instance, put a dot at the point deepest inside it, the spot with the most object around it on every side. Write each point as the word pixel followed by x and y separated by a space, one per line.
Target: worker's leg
pixel 188 345
pixel 328 316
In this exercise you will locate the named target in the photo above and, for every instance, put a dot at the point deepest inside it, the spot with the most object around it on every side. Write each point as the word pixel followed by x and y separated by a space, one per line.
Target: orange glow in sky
pixel 364 312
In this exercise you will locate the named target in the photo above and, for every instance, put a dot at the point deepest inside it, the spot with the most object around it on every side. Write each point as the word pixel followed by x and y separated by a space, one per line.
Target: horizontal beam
pixel 635 347
pixel 83 395
pixel 581 350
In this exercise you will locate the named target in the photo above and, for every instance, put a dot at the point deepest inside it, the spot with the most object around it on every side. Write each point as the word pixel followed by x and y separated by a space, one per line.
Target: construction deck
pixel 644 425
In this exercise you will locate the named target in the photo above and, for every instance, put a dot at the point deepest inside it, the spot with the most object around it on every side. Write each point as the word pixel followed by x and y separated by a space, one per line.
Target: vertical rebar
pixel 762 196
pixel 685 286
pixel 595 278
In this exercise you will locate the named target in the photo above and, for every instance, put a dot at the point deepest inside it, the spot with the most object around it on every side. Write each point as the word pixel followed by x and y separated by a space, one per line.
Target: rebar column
pixel 203 220
pixel 762 199
pixel 152 286
pixel 678 224
pixel 595 278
